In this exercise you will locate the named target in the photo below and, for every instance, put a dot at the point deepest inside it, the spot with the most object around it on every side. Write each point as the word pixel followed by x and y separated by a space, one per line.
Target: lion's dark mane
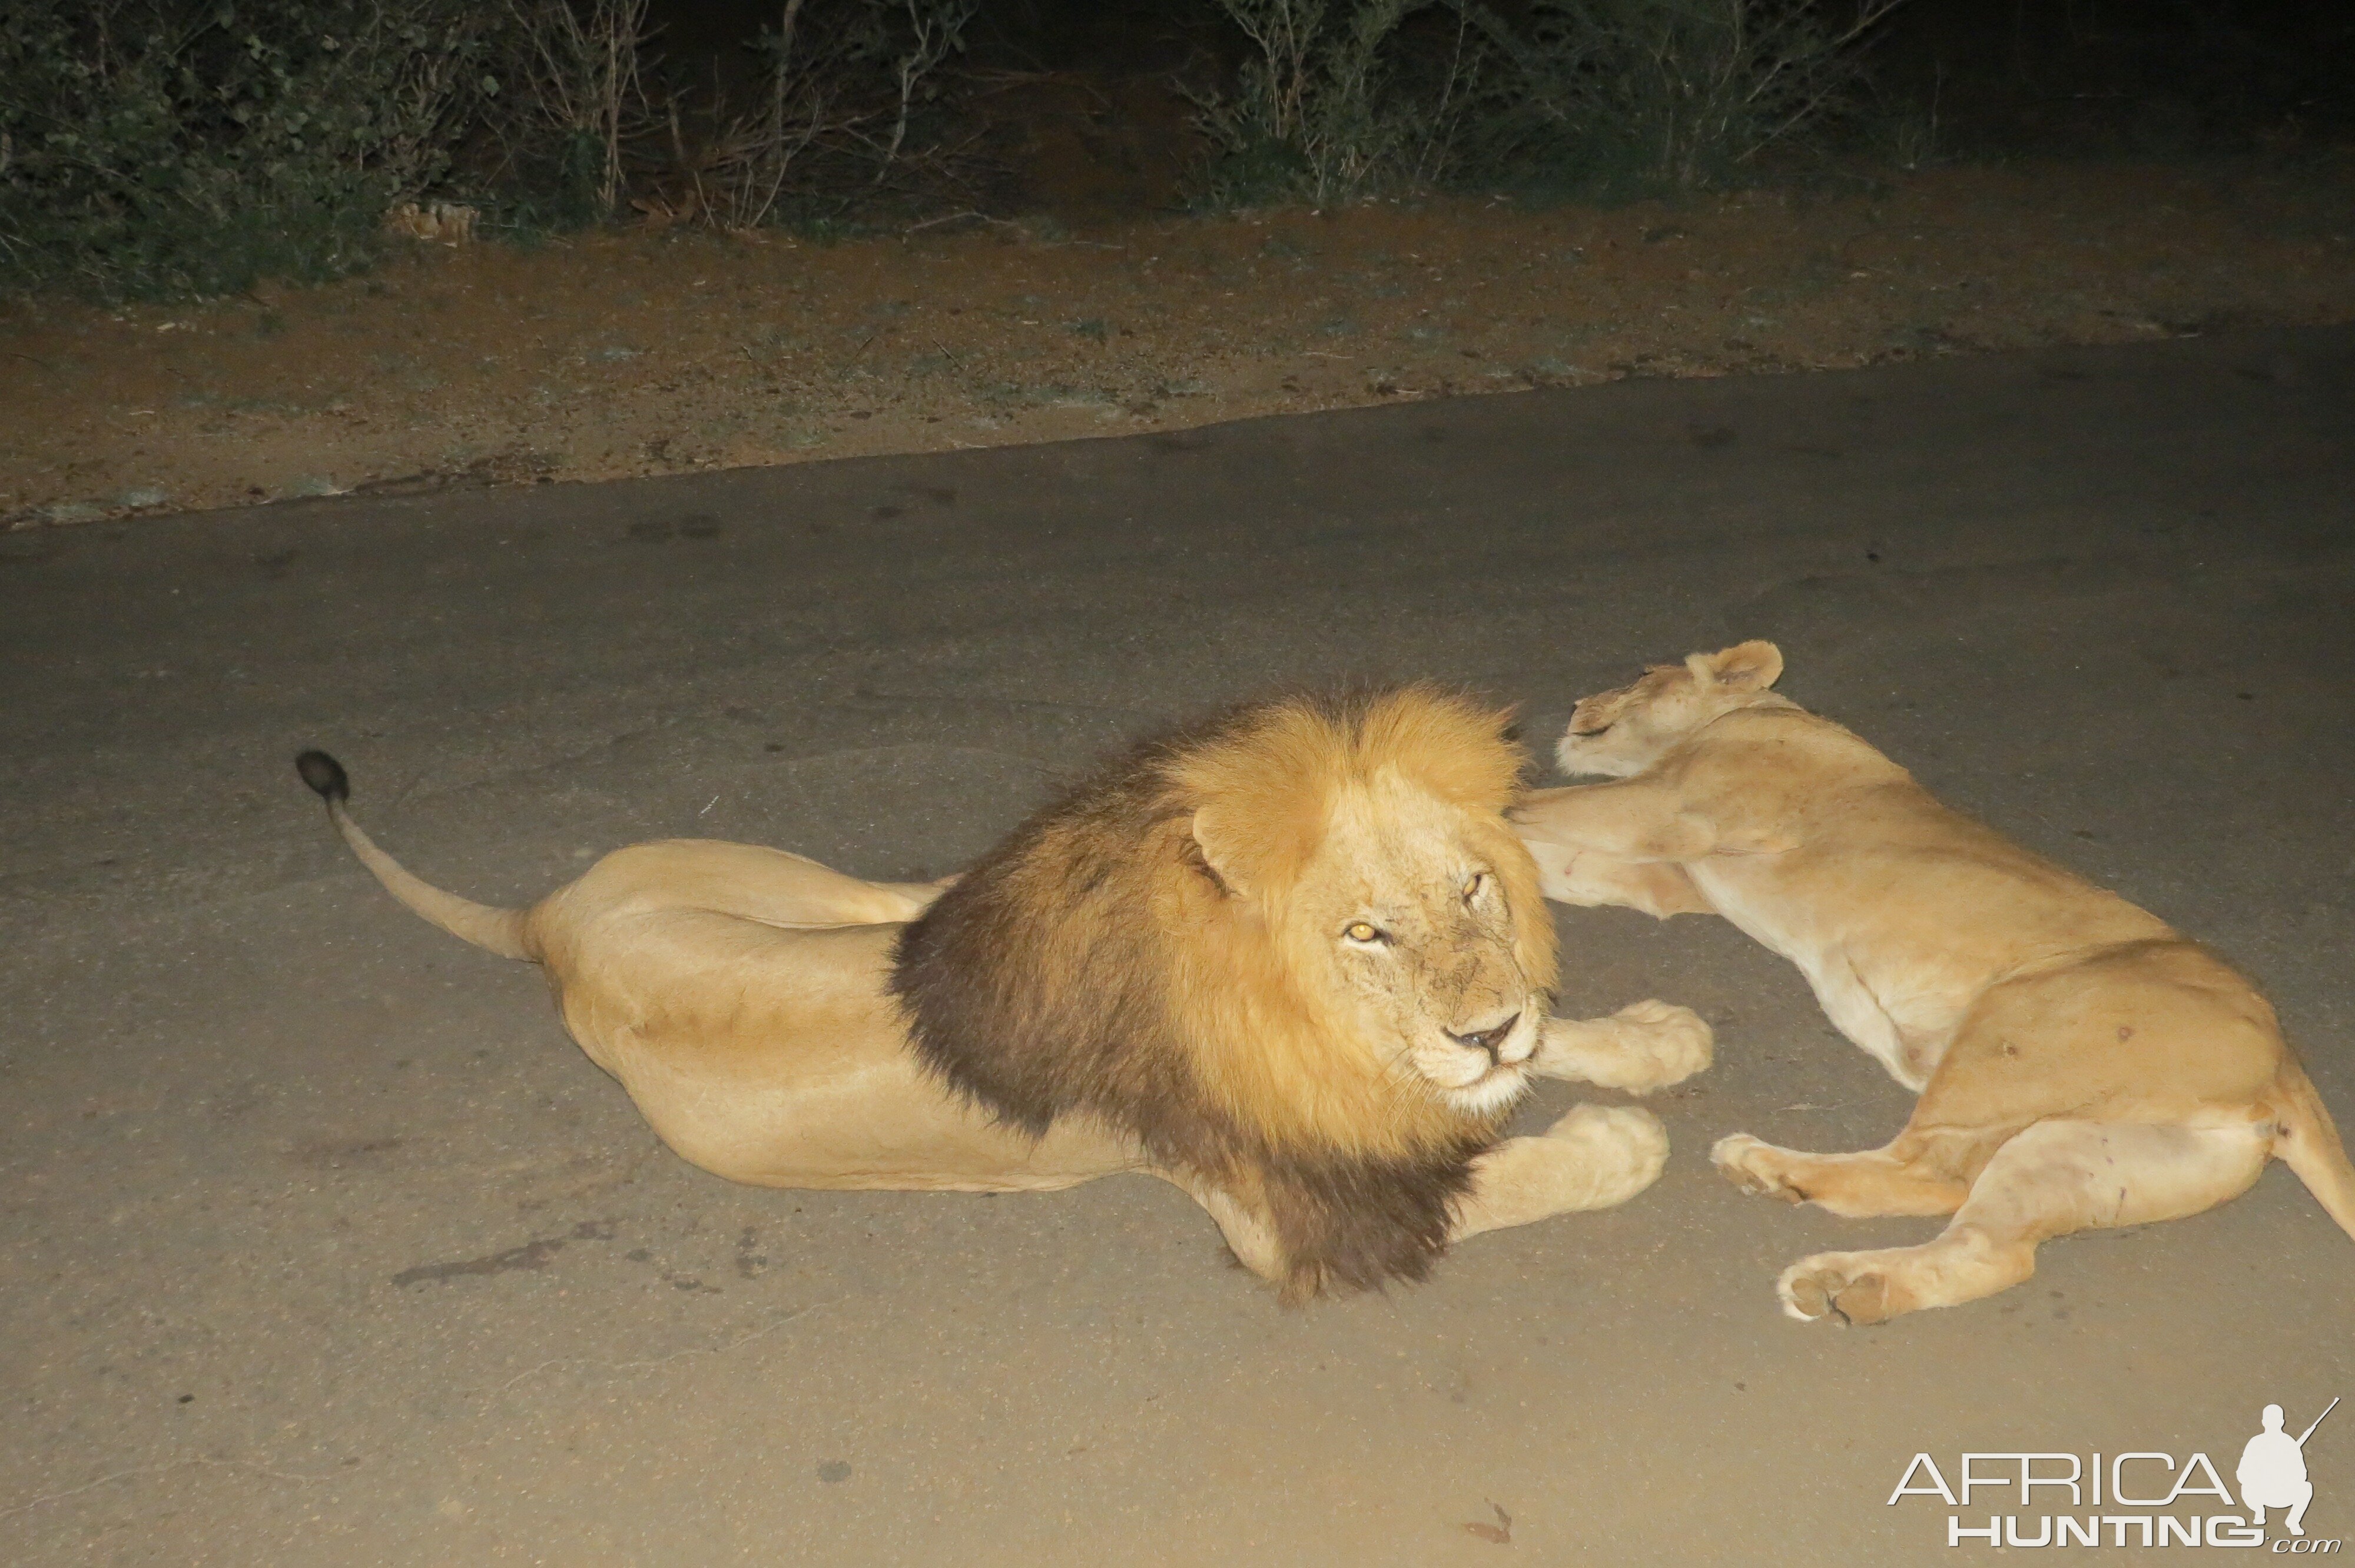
pixel 1038 986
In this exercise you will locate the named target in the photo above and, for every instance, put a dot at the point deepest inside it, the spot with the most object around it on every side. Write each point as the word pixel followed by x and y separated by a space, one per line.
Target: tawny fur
pixel 2079 1063
pixel 1154 975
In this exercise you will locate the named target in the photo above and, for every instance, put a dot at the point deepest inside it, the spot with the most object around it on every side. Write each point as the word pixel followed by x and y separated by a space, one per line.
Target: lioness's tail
pixel 2307 1141
pixel 500 930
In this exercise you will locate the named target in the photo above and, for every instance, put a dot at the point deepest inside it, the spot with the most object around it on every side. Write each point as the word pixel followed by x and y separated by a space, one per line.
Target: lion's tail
pixel 2307 1141
pixel 500 930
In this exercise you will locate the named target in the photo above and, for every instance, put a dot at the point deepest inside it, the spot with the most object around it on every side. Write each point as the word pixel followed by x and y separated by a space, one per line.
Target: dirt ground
pixel 651 352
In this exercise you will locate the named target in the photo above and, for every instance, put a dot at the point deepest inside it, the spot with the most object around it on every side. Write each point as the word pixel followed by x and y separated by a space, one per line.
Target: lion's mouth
pixel 1483 1071
pixel 1488 1077
pixel 1493 1090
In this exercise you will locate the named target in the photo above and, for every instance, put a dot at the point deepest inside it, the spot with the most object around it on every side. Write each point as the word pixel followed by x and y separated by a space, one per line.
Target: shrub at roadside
pixel 1337 100
pixel 151 147
pixel 167 148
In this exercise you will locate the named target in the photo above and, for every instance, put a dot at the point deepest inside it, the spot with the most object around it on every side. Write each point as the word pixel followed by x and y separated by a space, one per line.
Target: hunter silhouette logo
pixel 2139 1497
pixel 2273 1471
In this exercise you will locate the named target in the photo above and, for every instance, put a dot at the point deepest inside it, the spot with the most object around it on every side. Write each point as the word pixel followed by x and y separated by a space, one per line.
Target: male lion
pixel 2079 1063
pixel 1293 960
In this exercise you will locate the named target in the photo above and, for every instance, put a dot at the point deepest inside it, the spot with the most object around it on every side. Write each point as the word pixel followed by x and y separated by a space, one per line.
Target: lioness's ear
pixel 1749 666
pixel 1220 852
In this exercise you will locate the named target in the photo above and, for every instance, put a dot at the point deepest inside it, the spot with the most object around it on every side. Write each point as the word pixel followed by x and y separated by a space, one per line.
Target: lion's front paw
pixel 1844 1286
pixel 1664 1044
pixel 1620 1151
pixel 1748 1163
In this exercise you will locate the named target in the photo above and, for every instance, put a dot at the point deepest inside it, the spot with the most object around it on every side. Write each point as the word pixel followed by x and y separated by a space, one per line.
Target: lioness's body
pixel 759 1007
pixel 2078 1062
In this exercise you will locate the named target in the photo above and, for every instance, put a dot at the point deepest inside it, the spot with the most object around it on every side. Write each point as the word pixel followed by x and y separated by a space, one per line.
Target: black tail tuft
pixel 324 775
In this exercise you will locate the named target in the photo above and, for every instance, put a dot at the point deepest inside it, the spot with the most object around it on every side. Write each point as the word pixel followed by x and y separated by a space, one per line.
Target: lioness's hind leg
pixel 1875 1286
pixel 1644 1046
pixel 1854 1186
pixel 2054 1178
pixel 1595 1157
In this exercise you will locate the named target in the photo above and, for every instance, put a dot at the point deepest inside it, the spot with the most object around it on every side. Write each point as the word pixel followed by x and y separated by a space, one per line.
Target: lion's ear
pixel 1749 666
pixel 1222 850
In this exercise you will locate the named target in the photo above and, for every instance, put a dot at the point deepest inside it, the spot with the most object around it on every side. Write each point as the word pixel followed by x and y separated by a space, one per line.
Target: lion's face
pixel 1296 950
pixel 1406 911
pixel 1624 732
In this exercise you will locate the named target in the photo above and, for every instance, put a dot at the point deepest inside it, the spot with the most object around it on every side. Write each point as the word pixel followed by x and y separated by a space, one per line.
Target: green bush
pixel 576 105
pixel 847 118
pixel 1334 103
pixel 1626 96
pixel 158 147
pixel 1341 99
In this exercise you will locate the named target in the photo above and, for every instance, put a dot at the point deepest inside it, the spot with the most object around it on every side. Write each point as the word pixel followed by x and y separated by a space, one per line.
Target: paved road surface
pixel 324 1246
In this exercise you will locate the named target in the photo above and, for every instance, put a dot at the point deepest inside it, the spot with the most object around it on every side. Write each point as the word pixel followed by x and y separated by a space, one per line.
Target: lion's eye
pixel 1589 728
pixel 1479 880
pixel 1364 931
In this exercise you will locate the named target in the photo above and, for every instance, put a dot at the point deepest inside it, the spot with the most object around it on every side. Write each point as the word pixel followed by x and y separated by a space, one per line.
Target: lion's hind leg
pixel 1248 1235
pixel 2054 1178
pixel 1594 1158
pixel 1875 1182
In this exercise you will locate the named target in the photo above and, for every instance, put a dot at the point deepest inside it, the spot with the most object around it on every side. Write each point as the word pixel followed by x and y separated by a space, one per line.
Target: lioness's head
pixel 1366 843
pixel 1296 950
pixel 1624 732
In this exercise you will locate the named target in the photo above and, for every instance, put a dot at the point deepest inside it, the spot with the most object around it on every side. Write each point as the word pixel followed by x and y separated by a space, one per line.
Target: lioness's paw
pixel 1845 1286
pixel 1620 1151
pixel 1666 1045
pixel 1748 1163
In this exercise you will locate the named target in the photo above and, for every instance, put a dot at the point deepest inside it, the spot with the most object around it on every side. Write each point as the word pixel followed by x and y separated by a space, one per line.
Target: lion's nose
pixel 1488 1039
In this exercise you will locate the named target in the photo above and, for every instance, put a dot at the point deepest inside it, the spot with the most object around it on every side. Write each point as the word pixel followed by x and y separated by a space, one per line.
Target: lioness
pixel 1293 960
pixel 2079 1063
